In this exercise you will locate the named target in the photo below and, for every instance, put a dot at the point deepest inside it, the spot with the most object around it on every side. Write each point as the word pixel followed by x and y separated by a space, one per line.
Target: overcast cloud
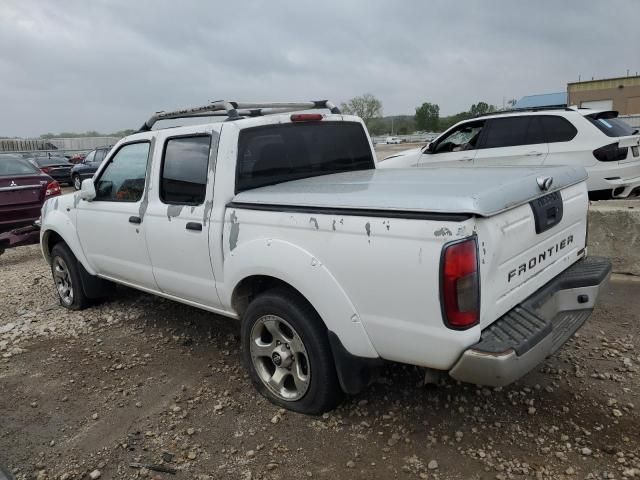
pixel 91 65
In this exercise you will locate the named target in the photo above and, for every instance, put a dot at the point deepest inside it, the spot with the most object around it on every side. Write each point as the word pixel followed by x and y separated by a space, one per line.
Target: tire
pixel 299 373
pixel 66 277
pixel 77 182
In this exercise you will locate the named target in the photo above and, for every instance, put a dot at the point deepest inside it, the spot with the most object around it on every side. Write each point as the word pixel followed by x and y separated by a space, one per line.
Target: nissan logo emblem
pixel 544 183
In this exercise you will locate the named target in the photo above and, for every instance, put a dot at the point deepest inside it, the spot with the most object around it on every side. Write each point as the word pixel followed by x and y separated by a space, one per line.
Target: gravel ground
pixel 137 383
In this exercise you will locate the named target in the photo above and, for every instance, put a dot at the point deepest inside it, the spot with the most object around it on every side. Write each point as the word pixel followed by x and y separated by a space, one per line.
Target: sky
pixel 108 65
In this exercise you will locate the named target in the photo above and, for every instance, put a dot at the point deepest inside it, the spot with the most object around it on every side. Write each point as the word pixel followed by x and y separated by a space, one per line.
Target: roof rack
pixel 237 110
pixel 526 109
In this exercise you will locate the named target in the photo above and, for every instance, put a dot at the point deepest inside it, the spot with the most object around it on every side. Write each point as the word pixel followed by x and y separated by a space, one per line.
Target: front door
pixel 455 148
pixel 109 227
pixel 177 217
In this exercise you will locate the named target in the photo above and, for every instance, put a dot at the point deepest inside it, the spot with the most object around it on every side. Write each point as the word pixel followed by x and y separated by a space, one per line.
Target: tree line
pixel 426 118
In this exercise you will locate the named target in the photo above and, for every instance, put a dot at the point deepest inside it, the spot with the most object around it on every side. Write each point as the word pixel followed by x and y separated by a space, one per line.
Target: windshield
pixel 610 124
pixel 12 165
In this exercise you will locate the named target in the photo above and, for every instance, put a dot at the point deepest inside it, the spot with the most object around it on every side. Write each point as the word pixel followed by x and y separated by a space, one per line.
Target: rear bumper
pixel 29 235
pixel 522 338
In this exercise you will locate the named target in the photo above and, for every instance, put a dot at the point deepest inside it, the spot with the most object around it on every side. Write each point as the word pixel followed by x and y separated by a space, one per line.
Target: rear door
pixel 177 217
pixel 512 140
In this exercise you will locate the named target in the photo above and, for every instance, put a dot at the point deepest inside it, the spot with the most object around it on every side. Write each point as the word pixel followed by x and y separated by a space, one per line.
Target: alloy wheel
pixel 62 279
pixel 280 358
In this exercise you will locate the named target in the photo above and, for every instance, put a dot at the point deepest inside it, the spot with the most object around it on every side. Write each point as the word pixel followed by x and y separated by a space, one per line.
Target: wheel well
pixel 49 241
pixel 250 287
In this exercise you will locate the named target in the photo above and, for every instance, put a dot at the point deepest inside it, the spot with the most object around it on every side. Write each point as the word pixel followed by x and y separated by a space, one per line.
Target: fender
pixel 58 215
pixel 300 269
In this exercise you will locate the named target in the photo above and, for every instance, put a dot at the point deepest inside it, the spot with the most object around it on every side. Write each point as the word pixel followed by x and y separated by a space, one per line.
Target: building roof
pixel 632 78
pixel 558 99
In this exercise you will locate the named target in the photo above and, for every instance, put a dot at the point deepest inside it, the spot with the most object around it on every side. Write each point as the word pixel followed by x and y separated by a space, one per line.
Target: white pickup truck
pixel 277 217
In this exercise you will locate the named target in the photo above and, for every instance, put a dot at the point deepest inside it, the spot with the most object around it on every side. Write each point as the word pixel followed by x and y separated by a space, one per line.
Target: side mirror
pixel 431 146
pixel 88 190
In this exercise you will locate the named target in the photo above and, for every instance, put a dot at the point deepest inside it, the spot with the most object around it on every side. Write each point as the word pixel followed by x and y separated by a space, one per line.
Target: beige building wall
pixel 624 92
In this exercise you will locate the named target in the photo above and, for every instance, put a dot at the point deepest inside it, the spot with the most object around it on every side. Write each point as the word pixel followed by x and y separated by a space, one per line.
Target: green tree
pixel 481 108
pixel 366 107
pixel 427 117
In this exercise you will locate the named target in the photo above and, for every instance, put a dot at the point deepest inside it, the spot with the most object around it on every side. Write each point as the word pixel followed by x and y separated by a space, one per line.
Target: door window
pixel 89 158
pixel 465 137
pixel 185 164
pixel 100 154
pixel 506 132
pixel 123 178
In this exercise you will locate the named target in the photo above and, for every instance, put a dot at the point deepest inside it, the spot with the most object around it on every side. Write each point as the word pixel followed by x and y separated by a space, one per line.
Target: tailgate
pixel 524 248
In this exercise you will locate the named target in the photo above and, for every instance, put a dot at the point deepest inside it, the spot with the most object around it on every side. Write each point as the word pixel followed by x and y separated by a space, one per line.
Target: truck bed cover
pixel 482 191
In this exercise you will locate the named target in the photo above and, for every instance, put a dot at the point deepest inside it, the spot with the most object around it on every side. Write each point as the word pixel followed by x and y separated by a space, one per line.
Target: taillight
pixel 53 189
pixel 460 284
pixel 44 169
pixel 611 153
pixel 306 117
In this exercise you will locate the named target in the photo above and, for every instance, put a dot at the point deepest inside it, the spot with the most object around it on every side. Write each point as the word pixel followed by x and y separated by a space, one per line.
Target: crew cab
pixel 599 141
pixel 276 216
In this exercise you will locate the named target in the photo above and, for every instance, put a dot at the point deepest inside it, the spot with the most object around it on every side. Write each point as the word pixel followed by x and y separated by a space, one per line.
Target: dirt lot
pixel 140 380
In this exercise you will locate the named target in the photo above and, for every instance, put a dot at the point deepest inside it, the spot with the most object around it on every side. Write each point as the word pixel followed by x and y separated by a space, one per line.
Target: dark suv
pixel 88 166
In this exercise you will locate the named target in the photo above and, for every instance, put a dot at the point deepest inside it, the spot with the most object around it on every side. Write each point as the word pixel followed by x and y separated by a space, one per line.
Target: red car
pixel 23 190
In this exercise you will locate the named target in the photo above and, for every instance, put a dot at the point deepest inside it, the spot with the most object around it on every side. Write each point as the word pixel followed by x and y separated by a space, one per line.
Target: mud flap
pixel 94 287
pixel 354 373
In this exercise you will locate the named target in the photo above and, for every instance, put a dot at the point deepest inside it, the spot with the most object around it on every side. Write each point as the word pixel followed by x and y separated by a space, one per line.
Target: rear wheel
pixel 66 276
pixel 286 350
pixel 77 182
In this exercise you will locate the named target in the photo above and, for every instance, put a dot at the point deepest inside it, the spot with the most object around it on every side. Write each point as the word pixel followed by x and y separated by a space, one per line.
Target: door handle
pixel 136 220
pixel 534 154
pixel 466 159
pixel 194 226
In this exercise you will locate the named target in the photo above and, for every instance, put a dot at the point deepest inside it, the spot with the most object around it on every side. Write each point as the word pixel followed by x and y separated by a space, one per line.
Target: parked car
pixel 393 141
pixel 77 158
pixel 23 190
pixel 597 140
pixel 54 165
pixel 88 166
pixel 282 221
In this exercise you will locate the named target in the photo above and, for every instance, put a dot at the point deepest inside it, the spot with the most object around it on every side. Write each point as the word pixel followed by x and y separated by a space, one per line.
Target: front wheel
pixel 77 182
pixel 66 276
pixel 286 350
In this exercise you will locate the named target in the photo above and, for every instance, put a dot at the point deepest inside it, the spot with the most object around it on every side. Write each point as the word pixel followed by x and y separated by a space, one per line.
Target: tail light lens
pixel 45 169
pixel 460 284
pixel 53 189
pixel 611 153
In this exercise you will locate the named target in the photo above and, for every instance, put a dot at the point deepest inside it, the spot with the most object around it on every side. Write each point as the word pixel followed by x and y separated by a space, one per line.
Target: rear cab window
pixel 609 124
pixel 279 153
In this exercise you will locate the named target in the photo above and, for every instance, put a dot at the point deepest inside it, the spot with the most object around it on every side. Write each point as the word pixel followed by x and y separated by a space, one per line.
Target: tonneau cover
pixel 482 191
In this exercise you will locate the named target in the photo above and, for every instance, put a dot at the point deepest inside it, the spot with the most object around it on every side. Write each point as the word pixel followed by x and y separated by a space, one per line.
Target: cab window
pixel 464 137
pixel 123 178
pixel 185 164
